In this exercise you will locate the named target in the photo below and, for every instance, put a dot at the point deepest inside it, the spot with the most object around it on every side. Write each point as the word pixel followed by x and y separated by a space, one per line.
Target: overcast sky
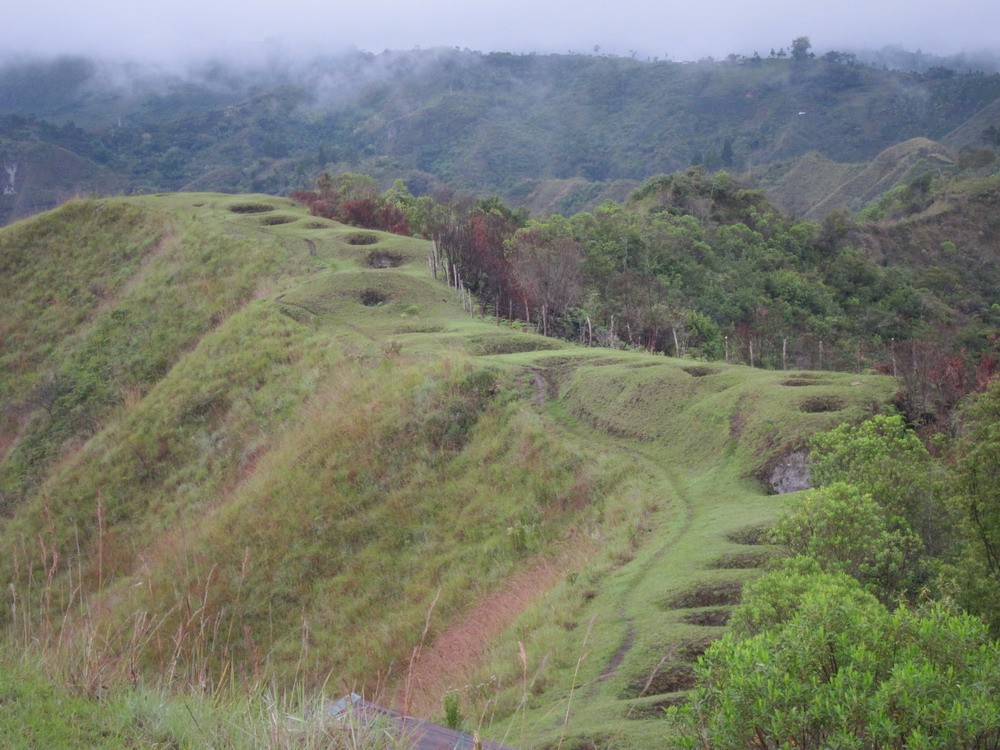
pixel 678 29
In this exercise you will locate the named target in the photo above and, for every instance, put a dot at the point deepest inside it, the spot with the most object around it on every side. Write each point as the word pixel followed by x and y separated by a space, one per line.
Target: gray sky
pixel 166 30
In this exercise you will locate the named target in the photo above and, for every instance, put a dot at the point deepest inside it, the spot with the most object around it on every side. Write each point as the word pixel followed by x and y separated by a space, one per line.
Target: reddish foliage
pixel 366 211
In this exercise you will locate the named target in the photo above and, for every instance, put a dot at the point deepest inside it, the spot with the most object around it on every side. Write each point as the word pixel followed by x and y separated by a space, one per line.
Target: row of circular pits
pixel 710 605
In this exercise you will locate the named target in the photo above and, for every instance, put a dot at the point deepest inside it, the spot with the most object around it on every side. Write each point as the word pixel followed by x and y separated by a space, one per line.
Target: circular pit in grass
pixel 711 617
pixel 361 238
pixel 273 221
pixel 373 297
pixel 707 595
pixel 383 259
pixel 670 678
pixel 251 208
pixel 821 403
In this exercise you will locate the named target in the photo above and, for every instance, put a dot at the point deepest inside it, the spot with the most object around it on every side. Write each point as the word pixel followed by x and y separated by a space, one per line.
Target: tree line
pixel 696 265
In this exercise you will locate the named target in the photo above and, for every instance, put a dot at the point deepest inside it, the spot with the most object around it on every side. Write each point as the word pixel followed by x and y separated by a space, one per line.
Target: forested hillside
pixel 555 132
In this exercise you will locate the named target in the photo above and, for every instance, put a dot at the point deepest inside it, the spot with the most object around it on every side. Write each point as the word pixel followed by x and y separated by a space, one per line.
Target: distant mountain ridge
pixel 556 132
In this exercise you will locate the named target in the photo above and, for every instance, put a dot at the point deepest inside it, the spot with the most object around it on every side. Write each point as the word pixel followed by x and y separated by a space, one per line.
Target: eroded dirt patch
pixel 451 660
pixel 619 655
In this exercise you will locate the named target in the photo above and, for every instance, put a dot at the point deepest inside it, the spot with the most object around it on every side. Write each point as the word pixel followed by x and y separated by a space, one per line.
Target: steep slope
pixel 814 187
pixel 246 443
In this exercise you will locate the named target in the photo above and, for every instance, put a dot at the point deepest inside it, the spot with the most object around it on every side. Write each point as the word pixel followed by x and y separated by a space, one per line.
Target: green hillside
pixel 241 444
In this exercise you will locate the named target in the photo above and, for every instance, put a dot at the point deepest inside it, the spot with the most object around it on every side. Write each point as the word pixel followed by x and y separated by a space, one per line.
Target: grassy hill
pixel 242 446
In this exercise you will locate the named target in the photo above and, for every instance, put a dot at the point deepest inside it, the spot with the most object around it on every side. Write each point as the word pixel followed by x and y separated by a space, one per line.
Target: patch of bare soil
pixel 451 660
pixel 541 390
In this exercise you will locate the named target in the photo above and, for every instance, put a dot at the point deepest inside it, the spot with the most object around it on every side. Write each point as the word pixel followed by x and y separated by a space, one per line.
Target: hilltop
pixel 243 442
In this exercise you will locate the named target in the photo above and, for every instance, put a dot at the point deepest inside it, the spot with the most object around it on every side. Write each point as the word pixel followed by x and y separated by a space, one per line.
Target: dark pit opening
pixel 669 678
pixel 372 297
pixel 817 404
pixel 654 709
pixel 707 595
pixel 698 371
pixel 251 208
pixel 383 259
pixel 272 221
pixel 361 238
pixel 800 381
pixel 751 535
pixel 714 617
pixel 743 560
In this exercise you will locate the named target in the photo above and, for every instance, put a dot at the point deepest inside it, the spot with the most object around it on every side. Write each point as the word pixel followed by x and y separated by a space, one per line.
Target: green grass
pixel 274 480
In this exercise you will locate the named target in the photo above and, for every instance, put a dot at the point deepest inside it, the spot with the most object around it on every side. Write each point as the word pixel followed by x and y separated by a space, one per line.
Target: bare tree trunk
pixel 784 354
pixel 677 346
pixel 590 333
pixel 751 352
